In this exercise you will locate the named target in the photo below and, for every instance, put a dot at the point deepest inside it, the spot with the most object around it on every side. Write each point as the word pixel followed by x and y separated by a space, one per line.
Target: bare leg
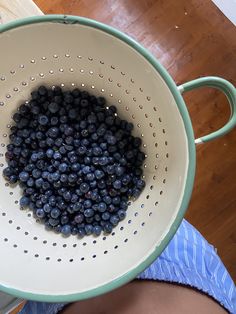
pixel 148 297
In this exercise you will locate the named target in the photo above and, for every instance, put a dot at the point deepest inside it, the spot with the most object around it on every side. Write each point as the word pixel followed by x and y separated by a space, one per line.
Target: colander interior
pixel 36 261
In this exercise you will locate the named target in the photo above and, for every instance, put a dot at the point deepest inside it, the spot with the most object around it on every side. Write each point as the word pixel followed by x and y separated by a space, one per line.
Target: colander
pixel 78 52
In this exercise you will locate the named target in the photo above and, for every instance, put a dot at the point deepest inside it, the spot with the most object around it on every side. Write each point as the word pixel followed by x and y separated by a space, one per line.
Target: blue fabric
pixel 189 260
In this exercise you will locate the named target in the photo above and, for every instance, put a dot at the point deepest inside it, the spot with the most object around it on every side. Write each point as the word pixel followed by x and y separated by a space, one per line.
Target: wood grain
pixel 191 38
pixel 14 9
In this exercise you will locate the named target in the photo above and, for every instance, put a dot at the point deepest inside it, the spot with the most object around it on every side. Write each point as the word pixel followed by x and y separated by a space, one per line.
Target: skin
pixel 149 297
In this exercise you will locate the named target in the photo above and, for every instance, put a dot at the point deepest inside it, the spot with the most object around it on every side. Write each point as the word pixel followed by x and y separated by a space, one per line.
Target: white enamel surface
pixel 104 66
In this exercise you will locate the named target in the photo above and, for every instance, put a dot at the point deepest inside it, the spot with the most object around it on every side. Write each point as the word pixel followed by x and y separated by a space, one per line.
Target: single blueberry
pixel 23 176
pixel 49 153
pixel 140 184
pixel 66 230
pixel 108 227
pixel 55 213
pixel 103 161
pixel 88 229
pixel 106 216
pixel 102 207
pixel 36 173
pixel 53 222
pixel 39 182
pixel 89 212
pixel 24 201
pixel 81 232
pixel 75 167
pixel 114 220
pixel 67 196
pixel 99 174
pixel 40 213
pixel 79 218
pixel 84 187
pixel 121 214
pixel 43 120
pixel 53 107
pixel 97 230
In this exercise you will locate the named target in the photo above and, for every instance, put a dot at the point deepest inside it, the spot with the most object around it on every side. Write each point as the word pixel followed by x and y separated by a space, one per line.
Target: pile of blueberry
pixel 75 160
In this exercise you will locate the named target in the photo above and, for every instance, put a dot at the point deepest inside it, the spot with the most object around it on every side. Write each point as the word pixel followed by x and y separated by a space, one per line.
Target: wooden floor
pixel 191 38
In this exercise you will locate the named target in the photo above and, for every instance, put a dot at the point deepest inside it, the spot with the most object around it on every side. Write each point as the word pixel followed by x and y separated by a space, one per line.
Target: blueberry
pixel 24 201
pixel 66 230
pixel 67 196
pixel 88 229
pixel 102 207
pixel 7 172
pixel 79 218
pixel 107 199
pixel 49 153
pixel 116 200
pixel 108 227
pixel 103 161
pixel 101 184
pixel 75 167
pixel 97 217
pixel 72 178
pixel 74 231
pixel 52 200
pixel 53 107
pixel 121 214
pixel 43 120
pixel 110 169
pixel 53 132
pixel 97 151
pixel 129 127
pixel 81 232
pixel 97 230
pixel 36 173
pixel 136 192
pixel 53 222
pixel 87 204
pixel 114 220
pixel 119 171
pixel 39 182
pixel 42 91
pixel 62 150
pixel 40 213
pixel 57 156
pixel 106 216
pixel 88 212
pixel 90 177
pixel 82 150
pixel 123 205
pixel 93 183
pixel 73 113
pixel 55 213
pixel 64 220
pixel 64 178
pixel 17 141
pixel 111 140
pixel 117 184
pixel 44 199
pixel 140 184
pixel 99 174
pixel 84 187
pixel 17 117
pixel 23 176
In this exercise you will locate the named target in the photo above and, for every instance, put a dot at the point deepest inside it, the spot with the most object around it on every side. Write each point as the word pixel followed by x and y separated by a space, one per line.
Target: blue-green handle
pixel 228 89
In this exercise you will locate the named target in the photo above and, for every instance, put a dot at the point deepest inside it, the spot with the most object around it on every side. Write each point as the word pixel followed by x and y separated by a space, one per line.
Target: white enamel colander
pixel 77 52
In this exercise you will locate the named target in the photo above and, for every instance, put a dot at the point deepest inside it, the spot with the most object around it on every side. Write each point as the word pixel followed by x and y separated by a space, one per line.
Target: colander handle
pixel 230 92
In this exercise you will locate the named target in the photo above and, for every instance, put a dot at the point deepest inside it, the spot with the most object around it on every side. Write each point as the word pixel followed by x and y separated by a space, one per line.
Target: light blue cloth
pixel 189 260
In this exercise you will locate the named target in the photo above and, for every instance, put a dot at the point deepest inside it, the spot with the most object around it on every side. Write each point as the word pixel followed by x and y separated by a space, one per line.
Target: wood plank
pixel 15 9
pixel 191 38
